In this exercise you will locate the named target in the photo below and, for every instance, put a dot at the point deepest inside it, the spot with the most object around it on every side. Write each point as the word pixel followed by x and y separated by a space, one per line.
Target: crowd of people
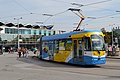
pixel 23 52
pixel 113 50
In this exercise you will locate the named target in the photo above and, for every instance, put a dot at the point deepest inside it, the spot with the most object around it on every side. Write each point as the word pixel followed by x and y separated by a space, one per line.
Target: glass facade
pixel 27 37
pixel 29 31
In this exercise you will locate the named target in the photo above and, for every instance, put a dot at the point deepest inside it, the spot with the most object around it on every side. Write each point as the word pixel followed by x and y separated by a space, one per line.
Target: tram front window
pixel 97 42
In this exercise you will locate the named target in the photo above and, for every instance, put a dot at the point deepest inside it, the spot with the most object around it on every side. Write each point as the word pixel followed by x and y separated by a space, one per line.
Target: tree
pixel 107 37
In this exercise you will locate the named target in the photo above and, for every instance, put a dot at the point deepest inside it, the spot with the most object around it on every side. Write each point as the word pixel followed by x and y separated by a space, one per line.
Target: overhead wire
pixel 82 5
pixel 55 15
pixel 72 3
pixel 22 6
pixel 102 17
pixel 108 15
pixel 61 1
pixel 97 2
pixel 79 6
pixel 16 15
pixel 59 12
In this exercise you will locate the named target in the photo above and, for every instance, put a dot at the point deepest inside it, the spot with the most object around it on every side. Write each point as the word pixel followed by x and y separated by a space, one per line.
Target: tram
pixel 85 47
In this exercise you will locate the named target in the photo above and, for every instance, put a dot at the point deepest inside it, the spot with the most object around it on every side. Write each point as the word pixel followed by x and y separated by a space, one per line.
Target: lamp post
pixel 18 30
pixel 112 28
pixel 112 36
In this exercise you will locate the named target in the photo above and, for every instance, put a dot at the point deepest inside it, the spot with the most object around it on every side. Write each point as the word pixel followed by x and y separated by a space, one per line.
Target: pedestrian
pixel 117 51
pixel 113 51
pixel 19 52
pixel 1 52
pixel 23 51
pixel 109 50
pixel 9 51
pixel 26 53
pixel 35 50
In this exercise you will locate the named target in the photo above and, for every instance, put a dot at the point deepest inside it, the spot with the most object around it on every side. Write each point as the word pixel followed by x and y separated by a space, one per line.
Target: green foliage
pixel 108 37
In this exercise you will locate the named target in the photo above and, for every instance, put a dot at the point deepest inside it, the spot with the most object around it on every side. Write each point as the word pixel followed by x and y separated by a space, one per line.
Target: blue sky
pixel 66 20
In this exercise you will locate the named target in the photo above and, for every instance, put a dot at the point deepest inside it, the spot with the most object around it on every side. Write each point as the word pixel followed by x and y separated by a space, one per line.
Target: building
pixel 27 36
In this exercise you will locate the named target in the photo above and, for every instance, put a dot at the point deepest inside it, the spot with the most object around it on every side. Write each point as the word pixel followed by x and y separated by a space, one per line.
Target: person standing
pixel 35 50
pixel 26 52
pixel 19 52
pixel 113 51
pixel 9 51
pixel 110 50
pixel 23 51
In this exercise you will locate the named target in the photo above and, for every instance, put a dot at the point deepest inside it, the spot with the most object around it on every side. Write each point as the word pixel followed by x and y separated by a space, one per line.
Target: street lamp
pixel 112 28
pixel 18 29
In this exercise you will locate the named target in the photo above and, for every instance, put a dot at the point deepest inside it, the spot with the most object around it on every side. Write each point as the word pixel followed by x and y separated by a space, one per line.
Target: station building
pixel 28 36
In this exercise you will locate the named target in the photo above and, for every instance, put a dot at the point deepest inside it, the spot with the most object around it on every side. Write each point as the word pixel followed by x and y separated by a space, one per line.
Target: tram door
pixel 80 50
pixel 51 49
pixel 77 50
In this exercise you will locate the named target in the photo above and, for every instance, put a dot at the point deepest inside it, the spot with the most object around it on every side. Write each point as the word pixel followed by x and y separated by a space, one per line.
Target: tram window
pixel 97 42
pixel 87 43
pixel 56 46
pixel 50 44
pixel 65 44
pixel 62 45
pixel 45 45
pixel 68 45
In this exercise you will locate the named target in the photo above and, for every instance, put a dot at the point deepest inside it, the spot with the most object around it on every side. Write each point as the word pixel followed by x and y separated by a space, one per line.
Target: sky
pixel 98 13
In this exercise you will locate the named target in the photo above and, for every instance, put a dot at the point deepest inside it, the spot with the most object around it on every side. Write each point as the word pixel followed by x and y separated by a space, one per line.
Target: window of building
pixel 11 31
pixel 40 32
pixel 34 31
pixel 49 33
pixel 53 32
pixel 22 31
pixel 6 30
pixel 27 31
pixel 44 32
pixel 16 31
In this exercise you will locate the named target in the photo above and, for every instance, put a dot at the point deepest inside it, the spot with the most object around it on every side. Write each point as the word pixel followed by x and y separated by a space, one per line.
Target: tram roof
pixel 66 35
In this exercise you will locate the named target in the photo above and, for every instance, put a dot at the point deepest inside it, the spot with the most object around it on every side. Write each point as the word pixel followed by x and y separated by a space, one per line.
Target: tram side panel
pixel 73 50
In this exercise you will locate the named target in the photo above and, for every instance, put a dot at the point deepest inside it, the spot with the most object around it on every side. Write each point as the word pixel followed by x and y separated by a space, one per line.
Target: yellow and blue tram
pixel 85 47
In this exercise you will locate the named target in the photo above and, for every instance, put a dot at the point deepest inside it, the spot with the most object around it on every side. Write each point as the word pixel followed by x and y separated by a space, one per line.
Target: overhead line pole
pixel 18 44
